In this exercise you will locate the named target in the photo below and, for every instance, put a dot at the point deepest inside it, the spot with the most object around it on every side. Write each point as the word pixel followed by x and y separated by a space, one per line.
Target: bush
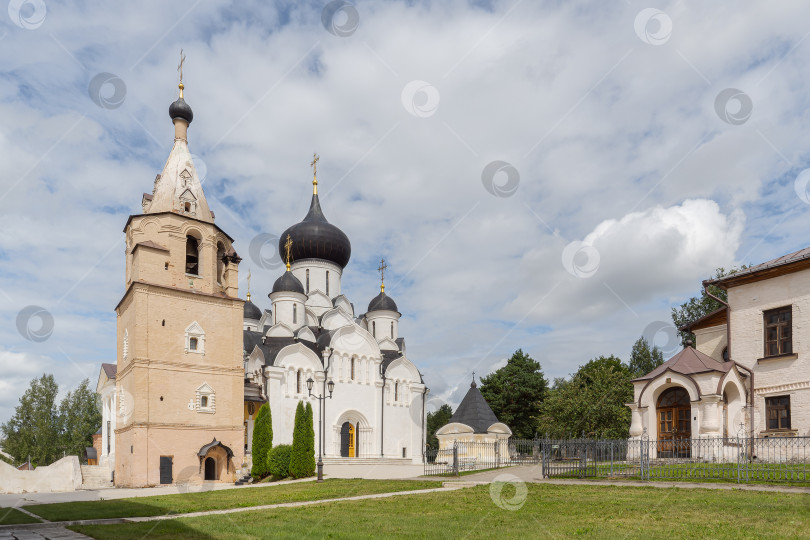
pixel 262 441
pixel 278 461
pixel 299 462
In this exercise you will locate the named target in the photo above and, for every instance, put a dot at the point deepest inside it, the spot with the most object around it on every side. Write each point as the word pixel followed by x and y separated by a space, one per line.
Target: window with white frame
pixel 205 399
pixel 195 339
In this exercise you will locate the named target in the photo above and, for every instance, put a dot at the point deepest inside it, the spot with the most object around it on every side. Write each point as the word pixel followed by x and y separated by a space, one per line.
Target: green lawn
pixel 549 511
pixel 12 516
pixel 221 499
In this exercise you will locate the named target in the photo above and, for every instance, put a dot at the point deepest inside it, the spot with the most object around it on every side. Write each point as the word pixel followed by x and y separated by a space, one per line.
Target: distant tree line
pixel 45 430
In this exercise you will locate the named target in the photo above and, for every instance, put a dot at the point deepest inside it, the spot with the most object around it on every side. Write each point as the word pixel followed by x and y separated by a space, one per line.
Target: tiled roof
pixel 688 362
pixel 474 411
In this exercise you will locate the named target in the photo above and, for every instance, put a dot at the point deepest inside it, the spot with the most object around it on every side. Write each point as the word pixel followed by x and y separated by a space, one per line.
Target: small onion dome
pixel 288 283
pixel 252 311
pixel 316 238
pixel 181 109
pixel 382 302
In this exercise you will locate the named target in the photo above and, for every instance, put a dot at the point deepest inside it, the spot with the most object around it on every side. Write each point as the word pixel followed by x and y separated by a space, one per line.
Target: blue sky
pixel 632 183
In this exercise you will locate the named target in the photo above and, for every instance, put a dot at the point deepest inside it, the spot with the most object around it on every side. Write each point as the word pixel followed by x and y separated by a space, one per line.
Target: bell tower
pixel 180 371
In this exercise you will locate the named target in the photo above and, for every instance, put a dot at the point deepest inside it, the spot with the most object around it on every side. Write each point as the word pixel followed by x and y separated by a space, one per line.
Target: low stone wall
pixel 63 475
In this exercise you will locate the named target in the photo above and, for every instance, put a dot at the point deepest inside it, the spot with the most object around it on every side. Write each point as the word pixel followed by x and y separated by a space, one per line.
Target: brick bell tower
pixel 180 379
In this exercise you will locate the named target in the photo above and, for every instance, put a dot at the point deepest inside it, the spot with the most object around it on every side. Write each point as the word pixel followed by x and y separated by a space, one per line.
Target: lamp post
pixel 321 408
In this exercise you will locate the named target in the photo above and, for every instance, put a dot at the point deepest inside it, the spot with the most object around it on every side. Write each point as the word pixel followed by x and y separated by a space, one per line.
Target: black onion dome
pixel 316 238
pixel 181 109
pixel 252 311
pixel 288 283
pixel 382 302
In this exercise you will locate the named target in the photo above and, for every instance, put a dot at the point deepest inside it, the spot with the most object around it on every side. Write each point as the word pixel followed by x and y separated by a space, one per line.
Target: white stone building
pixel 377 409
pixel 759 340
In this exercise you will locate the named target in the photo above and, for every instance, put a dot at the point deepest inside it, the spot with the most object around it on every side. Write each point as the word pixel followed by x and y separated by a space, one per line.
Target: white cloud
pixel 616 142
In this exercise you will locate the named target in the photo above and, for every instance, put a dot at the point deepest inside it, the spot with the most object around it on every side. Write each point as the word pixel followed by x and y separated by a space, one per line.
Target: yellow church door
pixel 351 440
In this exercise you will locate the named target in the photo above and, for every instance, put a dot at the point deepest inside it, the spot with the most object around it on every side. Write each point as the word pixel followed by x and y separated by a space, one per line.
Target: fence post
pixel 611 457
pixel 497 454
pixel 455 458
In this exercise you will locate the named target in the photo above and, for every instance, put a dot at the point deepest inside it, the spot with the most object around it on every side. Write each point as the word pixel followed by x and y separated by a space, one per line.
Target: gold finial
pixel 288 247
pixel 381 269
pixel 248 294
pixel 180 69
pixel 314 166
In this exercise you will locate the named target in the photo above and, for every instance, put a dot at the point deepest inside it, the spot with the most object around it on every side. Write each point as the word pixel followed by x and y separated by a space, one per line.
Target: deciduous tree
pixel 33 430
pixel 643 359
pixel 435 421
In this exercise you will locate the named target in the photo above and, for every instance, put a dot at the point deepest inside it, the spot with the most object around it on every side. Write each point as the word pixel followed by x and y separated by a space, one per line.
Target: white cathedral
pixel 195 362
pixel 312 333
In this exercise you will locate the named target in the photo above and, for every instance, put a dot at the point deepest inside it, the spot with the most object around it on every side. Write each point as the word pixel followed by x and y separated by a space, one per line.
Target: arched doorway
pixel 348 440
pixel 674 423
pixel 210 468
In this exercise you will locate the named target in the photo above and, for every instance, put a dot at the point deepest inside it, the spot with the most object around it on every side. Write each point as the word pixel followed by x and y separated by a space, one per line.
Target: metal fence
pixel 465 456
pixel 771 459
pixel 729 459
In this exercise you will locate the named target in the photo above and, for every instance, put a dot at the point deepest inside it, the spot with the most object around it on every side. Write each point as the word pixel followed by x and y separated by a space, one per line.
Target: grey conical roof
pixel 474 411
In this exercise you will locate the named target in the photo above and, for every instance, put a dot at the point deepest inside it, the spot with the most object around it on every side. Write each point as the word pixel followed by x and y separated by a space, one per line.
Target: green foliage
pixel 262 441
pixel 299 460
pixel 515 392
pixel 309 425
pixel 435 421
pixel 278 461
pixel 643 359
pixel 45 432
pixel 592 401
pixel 34 430
pixel 698 306
pixel 79 418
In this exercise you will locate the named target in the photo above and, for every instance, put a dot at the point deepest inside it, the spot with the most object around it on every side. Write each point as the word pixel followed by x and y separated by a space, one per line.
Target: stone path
pixel 48 532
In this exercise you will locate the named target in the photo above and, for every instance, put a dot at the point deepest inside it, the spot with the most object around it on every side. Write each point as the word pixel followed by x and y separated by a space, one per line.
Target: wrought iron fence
pixel 734 459
pixel 464 456
pixel 730 459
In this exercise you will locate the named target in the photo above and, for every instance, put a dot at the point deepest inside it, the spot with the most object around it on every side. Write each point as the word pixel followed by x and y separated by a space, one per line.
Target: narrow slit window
pixel 192 256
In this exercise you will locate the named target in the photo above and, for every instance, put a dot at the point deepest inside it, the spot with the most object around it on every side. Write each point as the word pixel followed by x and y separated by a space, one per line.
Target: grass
pixel 549 510
pixel 221 499
pixel 751 473
pixel 12 516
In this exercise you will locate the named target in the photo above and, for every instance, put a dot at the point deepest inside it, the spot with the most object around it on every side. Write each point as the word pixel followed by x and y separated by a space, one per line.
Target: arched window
pixel 220 262
pixel 392 329
pixel 396 391
pixel 192 256
pixel 295 313
pixel 352 368
pixel 374 328
pixel 327 283
pixel 307 280
pixel 298 382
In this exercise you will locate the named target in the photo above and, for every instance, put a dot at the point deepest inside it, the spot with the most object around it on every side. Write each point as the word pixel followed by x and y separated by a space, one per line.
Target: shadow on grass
pixel 12 516
pixel 167 528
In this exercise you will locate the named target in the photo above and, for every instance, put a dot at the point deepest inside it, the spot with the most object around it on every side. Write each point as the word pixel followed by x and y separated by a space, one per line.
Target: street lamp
pixel 321 407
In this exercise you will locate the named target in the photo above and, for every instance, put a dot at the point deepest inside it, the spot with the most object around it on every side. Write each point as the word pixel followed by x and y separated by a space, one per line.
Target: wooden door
pixel 345 438
pixel 166 475
pixel 674 416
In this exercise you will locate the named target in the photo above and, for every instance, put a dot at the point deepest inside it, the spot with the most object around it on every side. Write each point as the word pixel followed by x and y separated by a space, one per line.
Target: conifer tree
pixel 298 456
pixel 310 431
pixel 262 441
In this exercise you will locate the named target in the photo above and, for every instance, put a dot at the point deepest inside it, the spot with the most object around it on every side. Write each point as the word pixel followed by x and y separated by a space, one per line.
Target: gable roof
pixel 715 318
pixel 688 362
pixel 474 411
pixel 110 370
pixel 792 262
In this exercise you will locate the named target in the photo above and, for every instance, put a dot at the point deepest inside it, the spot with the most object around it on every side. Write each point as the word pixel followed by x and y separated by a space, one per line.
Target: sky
pixel 539 175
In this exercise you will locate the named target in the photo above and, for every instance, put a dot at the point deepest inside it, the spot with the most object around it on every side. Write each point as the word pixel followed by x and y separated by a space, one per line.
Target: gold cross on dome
pixel 248 279
pixel 381 269
pixel 314 165
pixel 180 66
pixel 288 247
